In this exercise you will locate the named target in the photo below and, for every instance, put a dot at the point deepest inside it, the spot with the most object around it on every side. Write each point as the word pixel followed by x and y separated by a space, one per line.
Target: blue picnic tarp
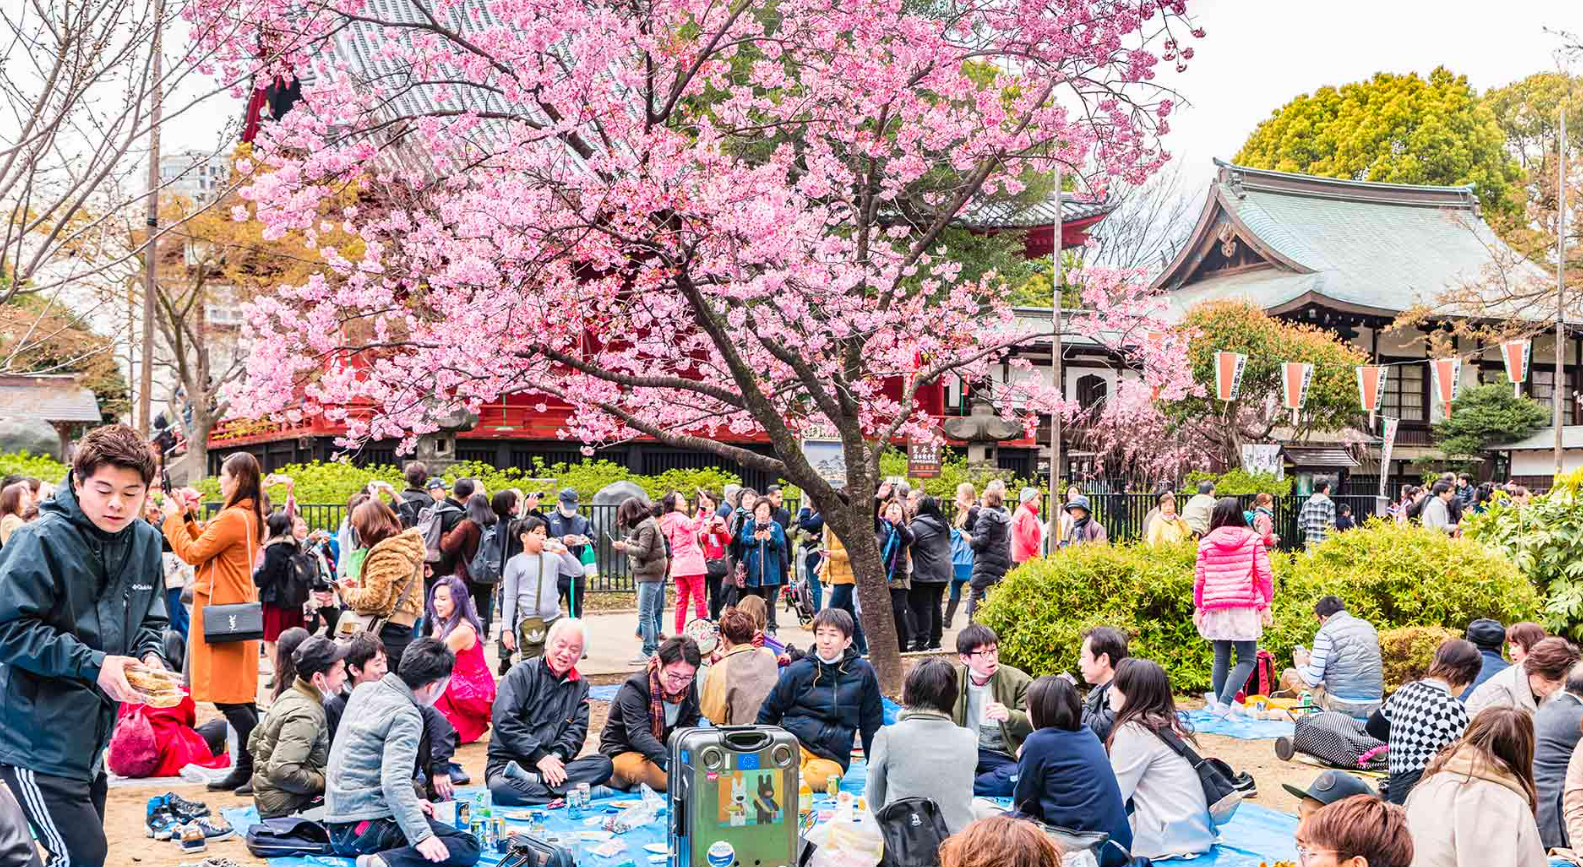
pixel 1240 727
pixel 607 692
pixel 1255 835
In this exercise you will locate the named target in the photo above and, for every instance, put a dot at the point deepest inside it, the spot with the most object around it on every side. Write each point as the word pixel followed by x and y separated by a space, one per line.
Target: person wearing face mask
pixel 81 598
pixel 541 721
pixel 372 813
pixel 291 747
pixel 1527 684
pixel 827 699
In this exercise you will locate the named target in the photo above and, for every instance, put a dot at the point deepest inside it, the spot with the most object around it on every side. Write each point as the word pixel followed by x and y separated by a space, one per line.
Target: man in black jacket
pixel 1103 649
pixel 574 531
pixel 634 737
pixel 81 599
pixel 540 722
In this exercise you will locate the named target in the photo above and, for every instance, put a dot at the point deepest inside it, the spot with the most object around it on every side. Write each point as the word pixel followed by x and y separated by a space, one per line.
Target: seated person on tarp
pixel 540 721
pixel 1344 672
pixel 1064 777
pixel 291 746
pixel 434 774
pixel 648 707
pixel 1489 636
pixel 1425 716
pixel 1168 811
pixel 735 687
pixel 992 703
pixel 370 806
pixel 924 754
pixel 1359 831
pixel 1326 789
pixel 827 699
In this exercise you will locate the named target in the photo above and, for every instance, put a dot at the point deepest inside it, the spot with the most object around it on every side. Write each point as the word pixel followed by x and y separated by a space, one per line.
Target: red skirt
pixel 278 620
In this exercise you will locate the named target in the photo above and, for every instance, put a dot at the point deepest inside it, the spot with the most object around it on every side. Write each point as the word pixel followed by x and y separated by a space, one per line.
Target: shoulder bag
pixel 353 622
pixel 532 631
pixel 239 621
pixel 1215 776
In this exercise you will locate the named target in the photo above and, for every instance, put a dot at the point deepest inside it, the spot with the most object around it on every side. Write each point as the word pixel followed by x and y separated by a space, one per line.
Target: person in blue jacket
pixel 762 542
pixel 1064 777
pixel 827 699
pixel 811 520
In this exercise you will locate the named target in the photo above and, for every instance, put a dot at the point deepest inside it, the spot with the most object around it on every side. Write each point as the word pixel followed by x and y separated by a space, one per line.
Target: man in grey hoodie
pixel 371 808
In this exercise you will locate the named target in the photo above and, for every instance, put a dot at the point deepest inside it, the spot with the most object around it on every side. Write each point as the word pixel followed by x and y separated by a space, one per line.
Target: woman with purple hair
pixel 470 697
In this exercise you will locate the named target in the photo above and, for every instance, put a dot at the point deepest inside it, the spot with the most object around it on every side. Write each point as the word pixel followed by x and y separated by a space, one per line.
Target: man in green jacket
pixel 992 702
pixel 291 747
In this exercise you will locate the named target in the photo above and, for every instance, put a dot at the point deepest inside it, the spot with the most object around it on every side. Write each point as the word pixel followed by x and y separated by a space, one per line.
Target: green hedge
pixel 28 464
pixel 1388 575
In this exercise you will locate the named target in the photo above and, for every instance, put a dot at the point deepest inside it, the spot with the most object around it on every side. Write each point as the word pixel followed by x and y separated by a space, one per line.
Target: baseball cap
pixel 317 654
pixel 1332 786
pixel 437 483
pixel 1487 633
pixel 568 496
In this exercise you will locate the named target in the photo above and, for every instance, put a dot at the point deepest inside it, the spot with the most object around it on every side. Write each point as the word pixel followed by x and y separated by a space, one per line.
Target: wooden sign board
pixel 923 461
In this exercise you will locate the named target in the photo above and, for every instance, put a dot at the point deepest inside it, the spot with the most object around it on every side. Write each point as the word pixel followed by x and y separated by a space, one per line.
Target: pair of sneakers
pixel 195 836
pixel 170 811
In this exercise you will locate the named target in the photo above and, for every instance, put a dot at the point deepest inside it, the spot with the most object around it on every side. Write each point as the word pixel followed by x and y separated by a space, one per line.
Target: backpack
pixel 288 836
pixel 913 830
pixel 1262 680
pixel 526 850
pixel 410 509
pixel 305 575
pixel 1214 776
pixel 431 523
pixel 485 567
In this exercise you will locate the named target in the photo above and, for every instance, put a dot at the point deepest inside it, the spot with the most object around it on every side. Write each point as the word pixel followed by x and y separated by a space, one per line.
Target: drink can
pixel 574 804
pixel 499 832
pixel 833 785
pixel 463 812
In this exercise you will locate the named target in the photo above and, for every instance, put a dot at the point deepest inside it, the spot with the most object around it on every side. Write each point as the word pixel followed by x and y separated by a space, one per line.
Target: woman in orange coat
pixel 221 552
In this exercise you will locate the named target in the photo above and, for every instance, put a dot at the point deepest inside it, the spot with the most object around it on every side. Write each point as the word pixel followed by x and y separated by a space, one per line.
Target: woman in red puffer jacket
pixel 1232 592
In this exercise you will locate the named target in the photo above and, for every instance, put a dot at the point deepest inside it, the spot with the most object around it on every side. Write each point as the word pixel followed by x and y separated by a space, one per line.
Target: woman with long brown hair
pixel 1169 813
pixel 391 584
pixel 1476 801
pixel 222 552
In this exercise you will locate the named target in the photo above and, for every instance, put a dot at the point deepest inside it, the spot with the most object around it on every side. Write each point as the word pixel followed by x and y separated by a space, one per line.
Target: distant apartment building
pixel 198 175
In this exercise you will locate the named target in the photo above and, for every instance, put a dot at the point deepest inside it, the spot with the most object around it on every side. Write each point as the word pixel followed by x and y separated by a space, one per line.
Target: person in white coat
pixel 1170 817
pixel 1474 806
pixel 1527 684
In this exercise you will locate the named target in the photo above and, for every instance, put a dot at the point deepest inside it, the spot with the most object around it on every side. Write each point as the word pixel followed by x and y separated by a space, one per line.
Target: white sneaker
pixel 1210 700
pixel 1220 710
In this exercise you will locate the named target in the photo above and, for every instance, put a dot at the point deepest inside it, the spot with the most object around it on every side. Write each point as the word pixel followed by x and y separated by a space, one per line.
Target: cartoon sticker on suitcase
pixel 751 797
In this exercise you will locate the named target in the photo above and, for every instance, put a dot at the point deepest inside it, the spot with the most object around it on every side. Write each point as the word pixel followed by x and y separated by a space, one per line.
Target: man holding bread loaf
pixel 81 608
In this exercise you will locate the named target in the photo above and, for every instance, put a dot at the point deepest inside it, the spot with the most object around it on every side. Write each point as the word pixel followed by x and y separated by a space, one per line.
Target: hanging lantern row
pixel 1296 376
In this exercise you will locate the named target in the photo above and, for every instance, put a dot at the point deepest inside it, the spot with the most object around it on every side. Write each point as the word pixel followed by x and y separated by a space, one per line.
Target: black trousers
pixel 924 602
pixel 66 815
pixel 713 590
pixel 483 603
pixel 903 617
pixel 243 718
pixel 396 638
pixel 575 588
pixel 594 770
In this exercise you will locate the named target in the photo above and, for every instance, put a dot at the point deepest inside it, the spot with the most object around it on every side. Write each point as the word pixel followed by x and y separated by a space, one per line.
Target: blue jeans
pixel 383 837
pixel 176 611
pixel 841 597
pixel 996 774
pixel 651 603
pixel 815 589
pixel 1227 687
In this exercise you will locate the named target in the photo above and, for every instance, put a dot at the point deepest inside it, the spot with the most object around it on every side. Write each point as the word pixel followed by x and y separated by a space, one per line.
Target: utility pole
pixel 1561 265
pixel 1055 349
pixel 145 391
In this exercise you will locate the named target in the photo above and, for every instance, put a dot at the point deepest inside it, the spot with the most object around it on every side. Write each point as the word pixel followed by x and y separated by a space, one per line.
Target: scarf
pixel 658 698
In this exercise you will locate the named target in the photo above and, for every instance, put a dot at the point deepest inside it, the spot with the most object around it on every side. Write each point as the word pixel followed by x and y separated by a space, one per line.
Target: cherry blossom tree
pixel 682 218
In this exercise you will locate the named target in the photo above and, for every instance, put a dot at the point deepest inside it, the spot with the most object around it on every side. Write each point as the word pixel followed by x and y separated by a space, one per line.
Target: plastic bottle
pixel 833 785
pixel 804 798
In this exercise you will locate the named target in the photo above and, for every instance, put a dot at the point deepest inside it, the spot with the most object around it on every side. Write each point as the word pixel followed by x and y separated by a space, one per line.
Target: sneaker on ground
pixel 192 840
pixel 213 828
pixel 640 659
pixel 161 823
pixel 371 861
pixel 184 809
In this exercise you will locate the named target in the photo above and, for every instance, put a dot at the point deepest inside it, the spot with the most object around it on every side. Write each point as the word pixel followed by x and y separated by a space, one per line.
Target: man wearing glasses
pixel 650 705
pixel 992 702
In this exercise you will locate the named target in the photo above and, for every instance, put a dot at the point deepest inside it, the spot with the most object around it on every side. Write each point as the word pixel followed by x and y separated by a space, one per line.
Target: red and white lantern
pixel 1371 388
pixel 1448 380
pixel 1296 376
pixel 1228 374
pixel 1517 354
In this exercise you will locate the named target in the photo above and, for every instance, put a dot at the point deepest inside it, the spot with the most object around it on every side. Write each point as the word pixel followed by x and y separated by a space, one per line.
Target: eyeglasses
pixel 988 651
pixel 673 678
pixel 1304 854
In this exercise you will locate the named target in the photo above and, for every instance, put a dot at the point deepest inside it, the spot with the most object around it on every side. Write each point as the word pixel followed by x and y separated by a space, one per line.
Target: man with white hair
pixel 540 722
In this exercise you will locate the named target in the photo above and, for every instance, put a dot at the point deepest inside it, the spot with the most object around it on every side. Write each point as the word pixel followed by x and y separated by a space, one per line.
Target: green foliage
pixel 316 482
pixel 1394 129
pixel 1238 483
pixel 1544 539
pixel 55 340
pixel 1488 414
pixel 1407 652
pixel 1391 576
pixel 953 472
pixel 23 463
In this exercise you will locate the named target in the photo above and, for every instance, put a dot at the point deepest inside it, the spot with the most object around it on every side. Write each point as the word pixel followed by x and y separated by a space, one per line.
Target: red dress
pixel 470 696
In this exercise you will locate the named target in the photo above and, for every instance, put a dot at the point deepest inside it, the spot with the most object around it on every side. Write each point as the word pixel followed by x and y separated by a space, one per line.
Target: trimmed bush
pixel 1408 651
pixel 1545 539
pixel 1391 576
pixel 24 463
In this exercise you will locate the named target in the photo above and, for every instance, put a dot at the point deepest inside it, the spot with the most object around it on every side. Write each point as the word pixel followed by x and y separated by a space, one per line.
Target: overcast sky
pixel 1259 54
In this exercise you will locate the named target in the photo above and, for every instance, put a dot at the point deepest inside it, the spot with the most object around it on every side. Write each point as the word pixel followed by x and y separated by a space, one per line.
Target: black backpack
pixel 913 830
pixel 288 836
pixel 304 575
pixel 1215 776
pixel 490 558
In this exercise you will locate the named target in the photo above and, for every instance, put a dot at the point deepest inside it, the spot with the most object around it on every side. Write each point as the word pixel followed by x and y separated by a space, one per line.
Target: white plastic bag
pixel 850 839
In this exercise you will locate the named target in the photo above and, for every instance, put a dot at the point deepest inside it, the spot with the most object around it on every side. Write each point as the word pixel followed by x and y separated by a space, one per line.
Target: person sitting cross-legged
pixel 736 685
pixel 540 721
pixel 827 699
pixel 1344 672
pixel 925 754
pixel 291 747
pixel 649 706
pixel 372 811
pixel 992 703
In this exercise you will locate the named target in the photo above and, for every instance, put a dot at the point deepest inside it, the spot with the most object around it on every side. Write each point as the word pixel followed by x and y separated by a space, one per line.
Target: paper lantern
pixel 1296 376
pixel 1228 374
pixel 1517 354
pixel 1448 380
pixel 1371 388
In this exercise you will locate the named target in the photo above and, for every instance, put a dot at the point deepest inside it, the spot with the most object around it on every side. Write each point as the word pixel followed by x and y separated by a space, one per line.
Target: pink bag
pixel 133 749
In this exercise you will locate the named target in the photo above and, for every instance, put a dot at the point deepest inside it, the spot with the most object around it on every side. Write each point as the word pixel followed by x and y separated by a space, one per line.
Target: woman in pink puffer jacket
pixel 1232 592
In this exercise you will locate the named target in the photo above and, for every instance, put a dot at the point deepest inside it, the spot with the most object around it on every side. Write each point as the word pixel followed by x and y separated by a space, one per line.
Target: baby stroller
pixel 798 595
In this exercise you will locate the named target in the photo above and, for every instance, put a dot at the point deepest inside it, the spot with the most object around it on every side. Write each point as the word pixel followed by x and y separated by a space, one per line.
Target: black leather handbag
pixel 523 850
pixel 226 624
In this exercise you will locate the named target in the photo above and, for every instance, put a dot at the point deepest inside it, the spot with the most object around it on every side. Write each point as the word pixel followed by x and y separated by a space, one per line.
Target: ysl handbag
pixel 240 621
